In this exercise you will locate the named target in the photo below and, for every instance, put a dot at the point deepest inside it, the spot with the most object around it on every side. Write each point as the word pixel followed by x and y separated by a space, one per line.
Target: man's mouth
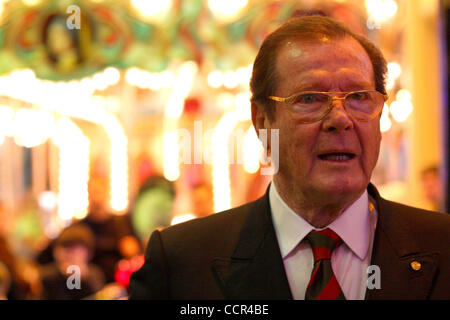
pixel 337 156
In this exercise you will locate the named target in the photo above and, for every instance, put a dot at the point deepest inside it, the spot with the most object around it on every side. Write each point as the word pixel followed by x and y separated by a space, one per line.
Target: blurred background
pixel 120 117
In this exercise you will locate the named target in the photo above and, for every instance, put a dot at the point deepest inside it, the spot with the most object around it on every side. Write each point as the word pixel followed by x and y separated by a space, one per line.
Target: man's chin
pixel 341 188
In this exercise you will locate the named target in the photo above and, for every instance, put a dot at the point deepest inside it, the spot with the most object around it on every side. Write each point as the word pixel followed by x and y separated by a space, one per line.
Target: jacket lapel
pixel 397 253
pixel 255 270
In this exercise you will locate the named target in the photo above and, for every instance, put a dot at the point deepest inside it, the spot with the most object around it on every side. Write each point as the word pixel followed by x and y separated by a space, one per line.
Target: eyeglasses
pixel 312 106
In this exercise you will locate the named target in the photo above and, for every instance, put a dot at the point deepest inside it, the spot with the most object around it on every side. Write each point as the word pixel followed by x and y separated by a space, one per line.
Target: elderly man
pixel 321 231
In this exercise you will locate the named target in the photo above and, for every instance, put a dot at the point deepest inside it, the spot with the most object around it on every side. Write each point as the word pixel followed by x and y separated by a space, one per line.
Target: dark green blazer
pixel 235 255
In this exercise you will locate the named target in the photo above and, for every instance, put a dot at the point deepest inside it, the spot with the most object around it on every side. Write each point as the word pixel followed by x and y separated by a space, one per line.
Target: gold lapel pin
pixel 371 206
pixel 415 265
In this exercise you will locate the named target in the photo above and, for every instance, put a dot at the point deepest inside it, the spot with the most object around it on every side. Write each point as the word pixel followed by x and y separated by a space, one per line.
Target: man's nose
pixel 338 119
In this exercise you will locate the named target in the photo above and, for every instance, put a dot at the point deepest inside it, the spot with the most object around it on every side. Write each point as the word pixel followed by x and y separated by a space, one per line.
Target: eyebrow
pixel 321 85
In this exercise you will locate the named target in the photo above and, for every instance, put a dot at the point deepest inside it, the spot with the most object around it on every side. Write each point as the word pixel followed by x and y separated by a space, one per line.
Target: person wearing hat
pixel 71 276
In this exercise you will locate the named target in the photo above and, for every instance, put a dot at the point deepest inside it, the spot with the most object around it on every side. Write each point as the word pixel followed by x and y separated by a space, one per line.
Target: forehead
pixel 325 63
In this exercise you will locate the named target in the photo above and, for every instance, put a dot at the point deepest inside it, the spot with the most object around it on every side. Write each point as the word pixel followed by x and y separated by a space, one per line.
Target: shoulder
pixel 49 272
pixel 415 215
pixel 218 227
pixel 424 225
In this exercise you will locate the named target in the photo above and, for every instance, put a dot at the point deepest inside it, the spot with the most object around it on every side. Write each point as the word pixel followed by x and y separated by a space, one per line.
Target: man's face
pixel 74 254
pixel 431 186
pixel 304 167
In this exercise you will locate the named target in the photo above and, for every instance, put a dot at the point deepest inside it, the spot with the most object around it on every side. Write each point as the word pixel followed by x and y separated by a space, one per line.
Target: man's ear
pixel 261 121
pixel 259 117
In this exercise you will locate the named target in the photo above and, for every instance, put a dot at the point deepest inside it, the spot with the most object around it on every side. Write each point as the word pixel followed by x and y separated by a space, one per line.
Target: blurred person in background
pixel 20 287
pixel 108 229
pixel 153 206
pixel 202 200
pixel 152 209
pixel 27 228
pixel 131 249
pixel 5 281
pixel 432 188
pixel 73 247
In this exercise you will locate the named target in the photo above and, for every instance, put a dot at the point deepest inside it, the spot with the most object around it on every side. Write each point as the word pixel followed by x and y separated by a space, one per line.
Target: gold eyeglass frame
pixel 333 97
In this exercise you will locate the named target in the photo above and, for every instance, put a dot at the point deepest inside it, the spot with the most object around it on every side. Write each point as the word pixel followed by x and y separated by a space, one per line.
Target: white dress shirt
pixel 356 227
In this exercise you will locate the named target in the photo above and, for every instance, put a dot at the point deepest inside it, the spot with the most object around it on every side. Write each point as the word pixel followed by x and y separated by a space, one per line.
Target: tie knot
pixel 323 243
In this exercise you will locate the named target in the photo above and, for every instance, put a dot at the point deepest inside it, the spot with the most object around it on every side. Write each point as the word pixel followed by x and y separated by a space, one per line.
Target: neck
pixel 319 210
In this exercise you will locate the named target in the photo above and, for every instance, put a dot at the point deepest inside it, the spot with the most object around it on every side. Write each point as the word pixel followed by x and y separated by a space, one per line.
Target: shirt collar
pixel 353 225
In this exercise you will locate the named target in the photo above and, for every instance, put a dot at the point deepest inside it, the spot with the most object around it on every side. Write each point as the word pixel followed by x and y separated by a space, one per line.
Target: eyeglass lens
pixel 312 105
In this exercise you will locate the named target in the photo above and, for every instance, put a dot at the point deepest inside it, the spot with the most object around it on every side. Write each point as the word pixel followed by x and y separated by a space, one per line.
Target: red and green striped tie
pixel 323 284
